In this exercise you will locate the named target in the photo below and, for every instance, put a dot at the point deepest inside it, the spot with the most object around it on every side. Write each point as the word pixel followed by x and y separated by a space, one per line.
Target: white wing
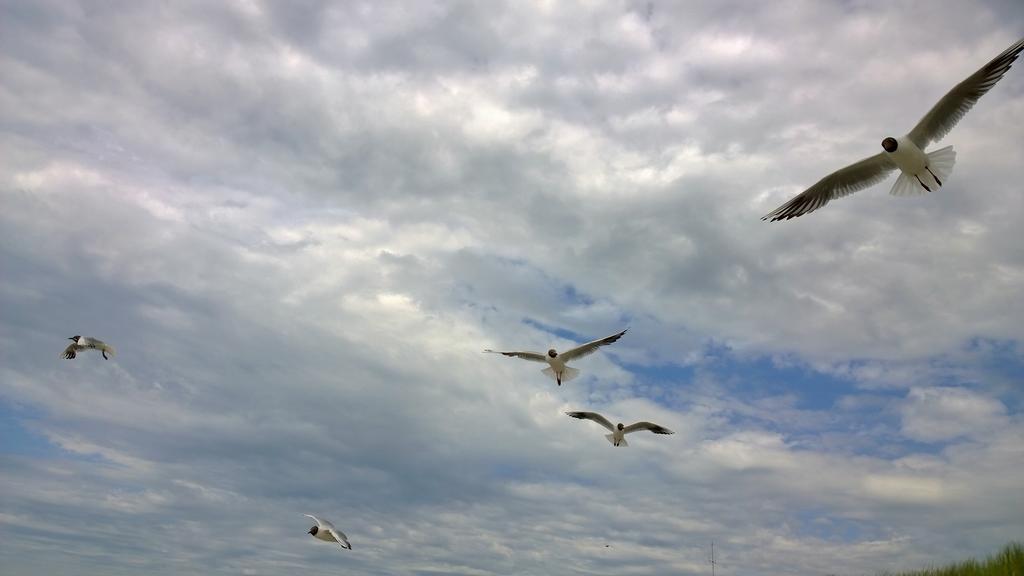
pixel 340 537
pixel 531 356
pixel 646 426
pixel 952 107
pixel 590 347
pixel 593 416
pixel 842 182
pixel 319 522
pixel 70 352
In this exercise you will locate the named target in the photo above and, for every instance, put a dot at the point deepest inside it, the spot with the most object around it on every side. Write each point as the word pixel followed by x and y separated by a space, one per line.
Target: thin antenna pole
pixel 712 558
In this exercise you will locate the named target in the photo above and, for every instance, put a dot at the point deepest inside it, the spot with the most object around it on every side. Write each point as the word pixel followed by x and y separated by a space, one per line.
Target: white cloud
pixel 943 413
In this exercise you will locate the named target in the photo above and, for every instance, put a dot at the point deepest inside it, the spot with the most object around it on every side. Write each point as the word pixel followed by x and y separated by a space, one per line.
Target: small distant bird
pixel 618 435
pixel 919 172
pixel 556 362
pixel 326 531
pixel 80 343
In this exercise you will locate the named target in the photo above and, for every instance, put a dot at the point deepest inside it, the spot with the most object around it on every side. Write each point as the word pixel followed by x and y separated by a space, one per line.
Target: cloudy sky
pixel 299 224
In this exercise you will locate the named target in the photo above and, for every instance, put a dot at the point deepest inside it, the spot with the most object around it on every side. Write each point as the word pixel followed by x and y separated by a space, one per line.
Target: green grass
pixel 1007 562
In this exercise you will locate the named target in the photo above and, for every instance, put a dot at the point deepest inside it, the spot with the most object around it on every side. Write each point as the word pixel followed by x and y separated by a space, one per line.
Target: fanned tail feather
pixel 941 162
pixel 940 165
pixel 611 438
pixel 567 374
pixel 906 185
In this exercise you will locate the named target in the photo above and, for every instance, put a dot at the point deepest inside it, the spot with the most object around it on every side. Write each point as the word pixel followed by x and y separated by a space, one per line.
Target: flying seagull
pixel 80 343
pixel 556 362
pixel 618 432
pixel 326 531
pixel 919 172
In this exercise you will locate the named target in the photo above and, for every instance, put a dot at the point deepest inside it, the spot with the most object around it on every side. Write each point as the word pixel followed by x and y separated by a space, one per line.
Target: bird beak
pixel 70 338
pixel 310 530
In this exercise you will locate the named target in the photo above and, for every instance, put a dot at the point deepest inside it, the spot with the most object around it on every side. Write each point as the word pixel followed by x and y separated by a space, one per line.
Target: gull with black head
pixel 920 172
pixel 556 362
pixel 326 531
pixel 619 431
pixel 82 343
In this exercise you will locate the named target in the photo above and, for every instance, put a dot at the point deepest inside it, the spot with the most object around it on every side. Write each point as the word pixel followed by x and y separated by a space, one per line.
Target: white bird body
pixel 619 431
pixel 326 531
pixel 325 535
pixel 558 370
pixel 617 437
pixel 908 157
pixel 557 363
pixel 920 172
pixel 82 343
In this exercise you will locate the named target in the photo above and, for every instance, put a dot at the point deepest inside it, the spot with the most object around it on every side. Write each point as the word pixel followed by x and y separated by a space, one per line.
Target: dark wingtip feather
pixel 786 212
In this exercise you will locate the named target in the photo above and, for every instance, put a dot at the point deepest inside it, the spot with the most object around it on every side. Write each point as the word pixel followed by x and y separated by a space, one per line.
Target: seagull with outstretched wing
pixel 920 172
pixel 82 343
pixel 326 531
pixel 618 431
pixel 556 362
